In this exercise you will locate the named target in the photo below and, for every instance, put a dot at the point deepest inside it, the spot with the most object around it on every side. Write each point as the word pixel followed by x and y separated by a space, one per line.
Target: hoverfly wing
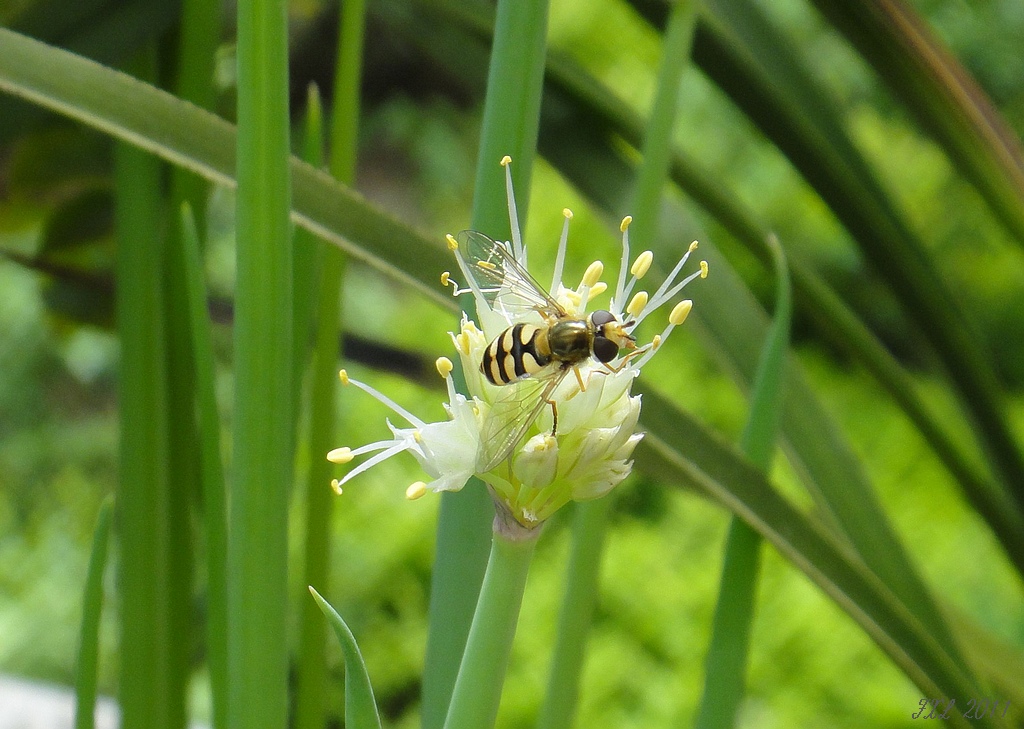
pixel 513 412
pixel 504 283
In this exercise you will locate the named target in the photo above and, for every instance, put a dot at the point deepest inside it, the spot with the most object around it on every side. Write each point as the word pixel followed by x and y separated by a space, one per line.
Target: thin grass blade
pixel 360 706
pixel 92 608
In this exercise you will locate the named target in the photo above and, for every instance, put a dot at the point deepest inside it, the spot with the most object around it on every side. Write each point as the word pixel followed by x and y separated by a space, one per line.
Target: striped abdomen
pixel 516 352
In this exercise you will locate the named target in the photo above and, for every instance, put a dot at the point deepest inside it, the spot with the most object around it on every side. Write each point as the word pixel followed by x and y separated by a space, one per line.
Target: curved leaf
pixel 360 707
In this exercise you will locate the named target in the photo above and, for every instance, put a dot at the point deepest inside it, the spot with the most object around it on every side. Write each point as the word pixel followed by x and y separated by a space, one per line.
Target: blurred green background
pixel 810 664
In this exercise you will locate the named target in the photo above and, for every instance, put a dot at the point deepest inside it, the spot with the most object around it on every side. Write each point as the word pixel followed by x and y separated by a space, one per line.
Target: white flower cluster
pixel 589 451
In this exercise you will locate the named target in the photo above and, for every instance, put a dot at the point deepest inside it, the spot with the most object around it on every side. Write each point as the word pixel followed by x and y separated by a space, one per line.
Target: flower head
pixel 549 417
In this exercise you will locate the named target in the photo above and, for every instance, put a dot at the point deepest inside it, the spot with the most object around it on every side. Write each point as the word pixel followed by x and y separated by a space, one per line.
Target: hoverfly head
pixel 610 335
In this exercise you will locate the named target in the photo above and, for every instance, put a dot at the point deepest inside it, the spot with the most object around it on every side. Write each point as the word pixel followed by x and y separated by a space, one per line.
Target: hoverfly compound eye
pixel 601 317
pixel 605 350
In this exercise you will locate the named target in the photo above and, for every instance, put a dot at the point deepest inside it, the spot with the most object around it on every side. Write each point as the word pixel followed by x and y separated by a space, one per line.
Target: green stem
pixel 581 591
pixel 258 533
pixel 478 687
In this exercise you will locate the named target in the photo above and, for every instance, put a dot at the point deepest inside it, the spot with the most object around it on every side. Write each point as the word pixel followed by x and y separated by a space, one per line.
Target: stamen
pixel 453 245
pixel 677 317
pixel 380 397
pixel 336 485
pixel 513 215
pixel 445 278
pixel 597 289
pixel 594 271
pixel 343 376
pixel 620 294
pixel 340 455
pixel 444 366
pixel 590 279
pixel 556 279
pixel 703 269
pixel 371 462
pixel 462 342
pixel 416 490
pixel 637 303
pixel 680 312
pixel 642 264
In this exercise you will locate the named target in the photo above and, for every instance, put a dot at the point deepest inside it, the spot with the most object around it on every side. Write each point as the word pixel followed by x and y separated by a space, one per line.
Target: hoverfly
pixel 529 360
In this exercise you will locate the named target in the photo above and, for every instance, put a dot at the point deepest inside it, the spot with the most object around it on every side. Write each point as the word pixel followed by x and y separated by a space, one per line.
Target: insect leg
pixel 554 415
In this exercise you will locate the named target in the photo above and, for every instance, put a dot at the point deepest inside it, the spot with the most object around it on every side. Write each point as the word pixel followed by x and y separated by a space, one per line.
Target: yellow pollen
pixel 506 160
pixel 444 366
pixel 637 303
pixel 340 455
pixel 656 342
pixel 487 265
pixel 567 213
pixel 453 244
pixel 625 223
pixel 416 490
pixel 594 271
pixel 703 269
pixel 680 312
pixel 642 264
pixel 444 278
pixel 597 289
pixel 693 246
pixel 343 376
pixel 336 485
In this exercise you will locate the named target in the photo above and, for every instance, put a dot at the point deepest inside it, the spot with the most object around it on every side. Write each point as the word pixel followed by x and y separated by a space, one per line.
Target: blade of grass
pixel 725 665
pixel 92 608
pixel 946 100
pixel 510 119
pixel 360 707
pixel 149 695
pixel 185 135
pixel 590 520
pixel 679 451
pixel 261 467
pixel 779 95
pixel 312 295
pixel 214 488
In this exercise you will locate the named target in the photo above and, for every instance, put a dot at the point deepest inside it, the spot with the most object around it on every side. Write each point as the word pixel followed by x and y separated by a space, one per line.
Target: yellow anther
pixel 597 289
pixel 625 223
pixel 444 366
pixel 703 269
pixel 336 485
pixel 642 264
pixel 656 342
pixel 680 312
pixel 506 160
pixel 340 455
pixel 343 376
pixel 637 303
pixel 445 278
pixel 417 436
pixel 593 273
pixel 453 244
pixel 418 489
pixel 487 265
pixel 567 213
pixel 693 246
pixel 573 297
pixel 462 340
pixel 469 326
